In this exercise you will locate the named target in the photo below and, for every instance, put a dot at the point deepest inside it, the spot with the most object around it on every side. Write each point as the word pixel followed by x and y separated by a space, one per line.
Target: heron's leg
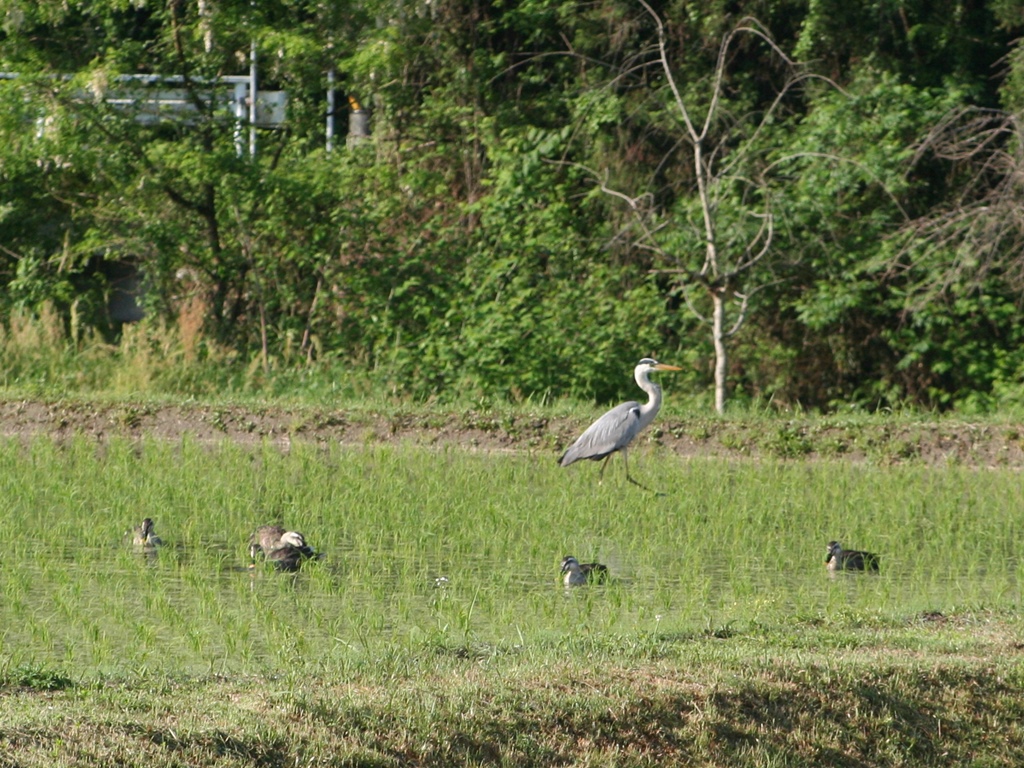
pixel 625 461
pixel 604 464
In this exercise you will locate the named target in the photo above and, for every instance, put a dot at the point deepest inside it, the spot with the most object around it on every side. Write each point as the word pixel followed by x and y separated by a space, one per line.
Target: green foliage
pixel 843 193
pixel 36 677
pixel 461 246
pixel 536 296
pixel 920 42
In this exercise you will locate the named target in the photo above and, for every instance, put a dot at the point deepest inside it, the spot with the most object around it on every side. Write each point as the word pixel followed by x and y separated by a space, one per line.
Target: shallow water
pixel 204 609
pixel 452 549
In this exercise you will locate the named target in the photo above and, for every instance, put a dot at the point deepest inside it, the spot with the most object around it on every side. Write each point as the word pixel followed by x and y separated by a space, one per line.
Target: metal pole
pixel 252 99
pixel 239 105
pixel 330 109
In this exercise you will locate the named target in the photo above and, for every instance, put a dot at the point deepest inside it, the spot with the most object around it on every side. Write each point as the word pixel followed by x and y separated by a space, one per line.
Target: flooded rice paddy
pixel 460 549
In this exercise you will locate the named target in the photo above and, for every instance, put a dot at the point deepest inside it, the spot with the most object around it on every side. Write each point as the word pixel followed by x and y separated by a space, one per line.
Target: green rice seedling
pixel 458 549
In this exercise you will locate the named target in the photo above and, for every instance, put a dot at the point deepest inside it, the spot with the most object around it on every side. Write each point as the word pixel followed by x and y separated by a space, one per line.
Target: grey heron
pixel 577 574
pixel 839 559
pixel 285 549
pixel 616 429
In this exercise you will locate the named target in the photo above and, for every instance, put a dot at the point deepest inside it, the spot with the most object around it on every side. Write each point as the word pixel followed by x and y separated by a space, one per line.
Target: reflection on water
pixel 204 608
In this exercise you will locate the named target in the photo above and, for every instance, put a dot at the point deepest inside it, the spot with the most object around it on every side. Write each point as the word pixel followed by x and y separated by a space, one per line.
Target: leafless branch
pixel 982 229
pixel 667 69
pixel 640 211
pixel 767 171
pixel 764 235
pixel 744 305
pixel 9 252
pixel 684 290
pixel 741 314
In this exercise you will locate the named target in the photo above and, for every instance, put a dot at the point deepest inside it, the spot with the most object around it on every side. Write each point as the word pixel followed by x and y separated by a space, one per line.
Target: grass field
pixel 435 630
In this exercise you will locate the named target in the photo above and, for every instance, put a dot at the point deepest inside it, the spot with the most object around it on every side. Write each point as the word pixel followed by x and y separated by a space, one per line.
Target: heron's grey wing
pixel 609 433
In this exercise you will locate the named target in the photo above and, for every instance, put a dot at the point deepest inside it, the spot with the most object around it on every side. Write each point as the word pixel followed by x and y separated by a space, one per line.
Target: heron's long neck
pixel 649 409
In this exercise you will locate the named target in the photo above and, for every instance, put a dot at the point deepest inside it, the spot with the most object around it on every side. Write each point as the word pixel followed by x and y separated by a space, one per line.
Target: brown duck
pixel 839 559
pixel 576 574
pixel 285 549
pixel 143 536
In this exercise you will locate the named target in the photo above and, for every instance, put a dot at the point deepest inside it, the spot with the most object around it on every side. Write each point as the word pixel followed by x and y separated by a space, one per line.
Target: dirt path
pixel 938 443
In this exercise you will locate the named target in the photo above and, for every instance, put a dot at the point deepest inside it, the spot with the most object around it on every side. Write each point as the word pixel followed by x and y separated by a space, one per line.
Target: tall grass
pixel 453 549
pixel 43 355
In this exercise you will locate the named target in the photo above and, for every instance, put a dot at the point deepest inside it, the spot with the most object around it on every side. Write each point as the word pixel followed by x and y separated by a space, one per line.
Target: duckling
pixel 143 536
pixel 285 549
pixel 577 573
pixel 839 559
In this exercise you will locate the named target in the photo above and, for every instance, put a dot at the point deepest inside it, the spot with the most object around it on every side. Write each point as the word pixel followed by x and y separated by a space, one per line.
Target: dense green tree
pixel 463 245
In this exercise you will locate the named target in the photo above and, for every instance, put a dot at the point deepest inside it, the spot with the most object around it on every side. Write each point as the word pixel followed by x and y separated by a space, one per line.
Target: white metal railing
pixel 155 98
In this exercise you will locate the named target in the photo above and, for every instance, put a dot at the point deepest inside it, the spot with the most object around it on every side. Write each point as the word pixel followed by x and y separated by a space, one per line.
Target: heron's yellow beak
pixel 664 367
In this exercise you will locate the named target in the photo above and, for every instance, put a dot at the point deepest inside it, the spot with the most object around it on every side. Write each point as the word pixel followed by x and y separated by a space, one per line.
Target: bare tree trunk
pixel 205 15
pixel 710 273
pixel 718 166
pixel 719 335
